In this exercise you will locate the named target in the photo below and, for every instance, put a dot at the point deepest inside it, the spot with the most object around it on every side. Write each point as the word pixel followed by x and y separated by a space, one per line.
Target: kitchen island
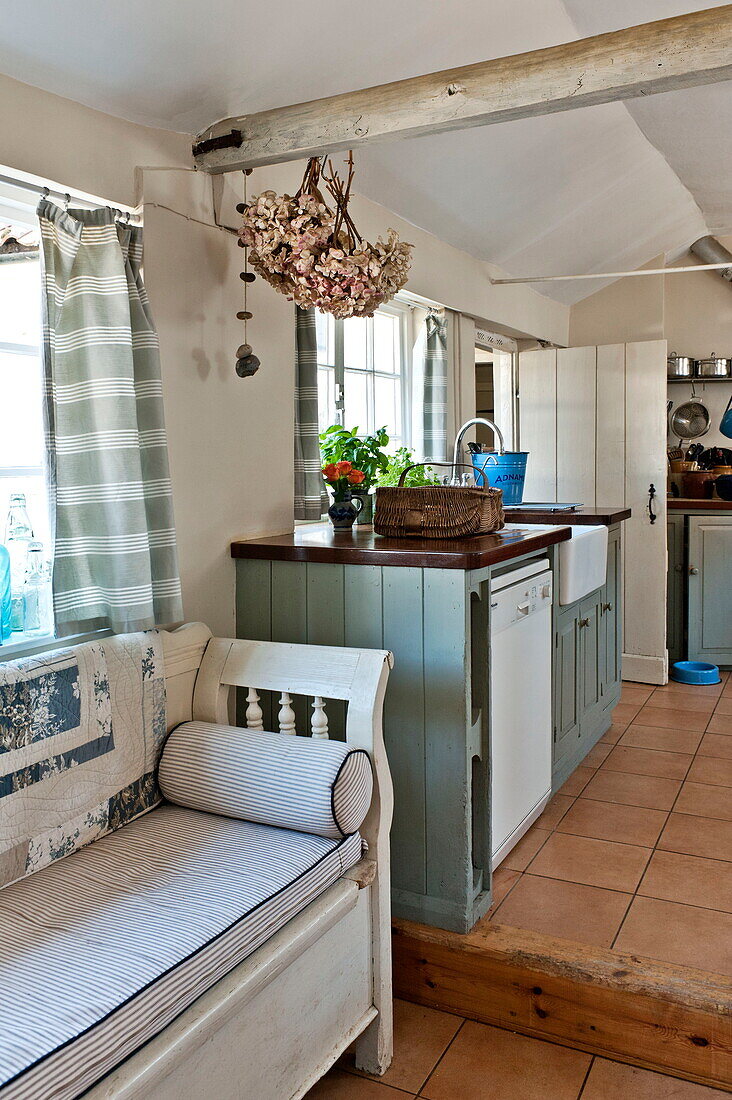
pixel 428 601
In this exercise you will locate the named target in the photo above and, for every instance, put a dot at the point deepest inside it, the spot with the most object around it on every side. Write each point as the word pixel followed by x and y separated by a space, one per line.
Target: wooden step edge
pixel 662 1017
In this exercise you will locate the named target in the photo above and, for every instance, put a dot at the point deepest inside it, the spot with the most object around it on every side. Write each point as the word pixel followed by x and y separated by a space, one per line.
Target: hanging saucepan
pixel 690 420
pixel 715 366
pixel 680 366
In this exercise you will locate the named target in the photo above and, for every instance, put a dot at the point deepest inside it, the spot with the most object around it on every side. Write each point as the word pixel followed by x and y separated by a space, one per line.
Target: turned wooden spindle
pixel 319 720
pixel 254 714
pixel 286 715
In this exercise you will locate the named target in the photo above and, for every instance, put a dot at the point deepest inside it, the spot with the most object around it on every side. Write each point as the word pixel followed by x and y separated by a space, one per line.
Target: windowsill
pixel 21 644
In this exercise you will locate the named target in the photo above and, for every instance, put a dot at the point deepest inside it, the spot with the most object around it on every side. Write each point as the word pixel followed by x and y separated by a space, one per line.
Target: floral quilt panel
pixel 81 731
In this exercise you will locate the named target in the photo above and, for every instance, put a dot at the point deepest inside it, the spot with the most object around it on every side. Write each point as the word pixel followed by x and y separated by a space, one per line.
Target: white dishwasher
pixel 521 702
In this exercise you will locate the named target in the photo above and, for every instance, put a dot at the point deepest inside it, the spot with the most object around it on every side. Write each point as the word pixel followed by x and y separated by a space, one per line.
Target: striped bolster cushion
pixel 312 786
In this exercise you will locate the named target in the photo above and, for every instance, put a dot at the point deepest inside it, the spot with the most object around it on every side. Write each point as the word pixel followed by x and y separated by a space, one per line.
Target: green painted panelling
pixel 290 622
pixel 253 595
pixel 447 771
pixel 254 621
pixel 404 724
pixel 326 625
pixel 363 622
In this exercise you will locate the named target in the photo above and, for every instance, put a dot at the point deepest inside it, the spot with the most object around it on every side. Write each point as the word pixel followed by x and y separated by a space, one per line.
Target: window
pixel 363 376
pixel 22 446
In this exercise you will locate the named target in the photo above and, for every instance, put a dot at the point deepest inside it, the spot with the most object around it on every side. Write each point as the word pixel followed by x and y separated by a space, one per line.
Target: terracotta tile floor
pixel 439 1056
pixel 635 851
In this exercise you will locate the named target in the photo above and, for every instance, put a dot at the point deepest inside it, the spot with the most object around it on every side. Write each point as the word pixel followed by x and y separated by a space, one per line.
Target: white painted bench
pixel 272 1026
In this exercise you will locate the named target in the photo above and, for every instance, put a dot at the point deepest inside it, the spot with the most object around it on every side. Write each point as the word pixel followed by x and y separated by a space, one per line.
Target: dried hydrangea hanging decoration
pixel 315 255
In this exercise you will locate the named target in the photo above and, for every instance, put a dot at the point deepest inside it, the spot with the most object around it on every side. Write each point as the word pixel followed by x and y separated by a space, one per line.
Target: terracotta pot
pixel 698 484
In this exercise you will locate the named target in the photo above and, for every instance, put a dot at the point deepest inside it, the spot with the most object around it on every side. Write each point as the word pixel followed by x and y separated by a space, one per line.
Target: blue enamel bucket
pixel 506 472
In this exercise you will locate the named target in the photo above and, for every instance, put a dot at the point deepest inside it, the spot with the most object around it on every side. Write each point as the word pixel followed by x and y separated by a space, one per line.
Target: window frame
pixel 402 311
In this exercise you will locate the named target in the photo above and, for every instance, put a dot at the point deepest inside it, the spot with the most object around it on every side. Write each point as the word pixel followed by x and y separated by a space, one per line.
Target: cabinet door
pixel 566 682
pixel 675 598
pixel 709 590
pixel 590 655
pixel 610 622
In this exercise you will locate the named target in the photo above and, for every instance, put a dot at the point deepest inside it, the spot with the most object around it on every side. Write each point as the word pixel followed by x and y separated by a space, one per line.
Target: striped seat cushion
pixel 100 951
pixel 318 787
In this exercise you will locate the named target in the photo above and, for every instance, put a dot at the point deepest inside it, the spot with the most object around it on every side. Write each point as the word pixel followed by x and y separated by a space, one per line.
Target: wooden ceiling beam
pixel 681 52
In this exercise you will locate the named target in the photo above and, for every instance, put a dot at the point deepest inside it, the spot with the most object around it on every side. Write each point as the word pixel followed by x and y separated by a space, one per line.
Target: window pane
pixel 386 343
pixel 324 327
pixel 326 397
pixel 22 444
pixel 21 429
pixel 20 302
pixel 355 343
pixel 357 401
pixel 388 405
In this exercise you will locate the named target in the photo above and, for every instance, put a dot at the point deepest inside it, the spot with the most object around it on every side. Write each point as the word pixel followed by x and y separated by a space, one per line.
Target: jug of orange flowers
pixel 341 478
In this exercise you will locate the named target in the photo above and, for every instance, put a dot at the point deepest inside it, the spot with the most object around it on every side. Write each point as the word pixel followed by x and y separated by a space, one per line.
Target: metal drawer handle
pixel 607 607
pixel 693 571
pixel 584 622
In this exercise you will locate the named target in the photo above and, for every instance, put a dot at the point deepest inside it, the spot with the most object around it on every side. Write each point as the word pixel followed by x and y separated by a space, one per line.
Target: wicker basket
pixel 437 511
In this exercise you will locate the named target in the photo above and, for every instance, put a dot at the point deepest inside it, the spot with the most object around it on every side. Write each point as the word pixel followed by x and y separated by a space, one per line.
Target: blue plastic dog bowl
pixel 694 672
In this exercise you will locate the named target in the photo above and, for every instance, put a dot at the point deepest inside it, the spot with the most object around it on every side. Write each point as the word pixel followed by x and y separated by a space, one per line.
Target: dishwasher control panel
pixel 515 602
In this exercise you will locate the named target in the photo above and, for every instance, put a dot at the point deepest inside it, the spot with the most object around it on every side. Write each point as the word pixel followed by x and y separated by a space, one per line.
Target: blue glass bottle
pixel 5 604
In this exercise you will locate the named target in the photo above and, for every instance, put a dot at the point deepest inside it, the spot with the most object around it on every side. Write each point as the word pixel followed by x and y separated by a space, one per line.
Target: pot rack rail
pixel 613 274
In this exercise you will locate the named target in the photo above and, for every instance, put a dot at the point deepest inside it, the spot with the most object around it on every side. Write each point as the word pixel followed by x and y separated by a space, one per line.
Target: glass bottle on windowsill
pixel 36 593
pixel 18 534
pixel 5 601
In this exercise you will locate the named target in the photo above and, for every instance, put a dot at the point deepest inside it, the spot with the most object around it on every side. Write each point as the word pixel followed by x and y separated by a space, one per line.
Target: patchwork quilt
pixel 81 732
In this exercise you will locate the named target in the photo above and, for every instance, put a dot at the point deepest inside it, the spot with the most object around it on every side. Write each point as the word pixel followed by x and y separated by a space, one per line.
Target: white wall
pixel 230 438
pixel 698 310
pixel 628 309
pixel 62 141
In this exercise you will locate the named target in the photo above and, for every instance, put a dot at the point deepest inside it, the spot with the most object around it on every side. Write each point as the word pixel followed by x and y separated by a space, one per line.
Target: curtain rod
pixel 45 189
pixel 614 274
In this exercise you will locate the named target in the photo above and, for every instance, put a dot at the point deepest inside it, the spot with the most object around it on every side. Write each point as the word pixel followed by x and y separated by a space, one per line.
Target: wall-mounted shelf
pixel 700 381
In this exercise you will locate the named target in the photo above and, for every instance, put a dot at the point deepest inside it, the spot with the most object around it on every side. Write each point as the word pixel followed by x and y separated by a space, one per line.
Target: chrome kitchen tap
pixel 469 424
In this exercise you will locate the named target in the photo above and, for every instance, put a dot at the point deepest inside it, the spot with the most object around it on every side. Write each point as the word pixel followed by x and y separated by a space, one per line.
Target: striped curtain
pixel 434 396
pixel 309 484
pixel 115 558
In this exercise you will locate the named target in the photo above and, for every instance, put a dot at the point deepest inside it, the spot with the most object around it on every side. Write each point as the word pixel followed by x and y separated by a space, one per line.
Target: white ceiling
pixel 588 190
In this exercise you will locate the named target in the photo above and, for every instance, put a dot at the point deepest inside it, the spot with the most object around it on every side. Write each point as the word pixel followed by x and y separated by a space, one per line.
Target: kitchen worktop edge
pixel 361 546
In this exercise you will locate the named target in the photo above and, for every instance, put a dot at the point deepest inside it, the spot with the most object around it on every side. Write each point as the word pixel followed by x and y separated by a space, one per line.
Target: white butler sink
pixel 582 560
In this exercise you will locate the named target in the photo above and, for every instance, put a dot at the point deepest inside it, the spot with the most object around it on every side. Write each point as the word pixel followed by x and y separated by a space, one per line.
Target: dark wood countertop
pixel 689 504
pixel 320 543
pixel 586 515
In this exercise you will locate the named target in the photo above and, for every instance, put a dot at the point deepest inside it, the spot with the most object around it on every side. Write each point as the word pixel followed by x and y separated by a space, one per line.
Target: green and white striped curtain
pixel 434 395
pixel 115 557
pixel 309 485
